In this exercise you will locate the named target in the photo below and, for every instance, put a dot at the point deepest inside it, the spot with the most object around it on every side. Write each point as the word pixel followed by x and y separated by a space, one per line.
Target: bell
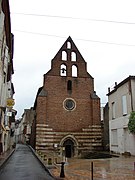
pixel 63 70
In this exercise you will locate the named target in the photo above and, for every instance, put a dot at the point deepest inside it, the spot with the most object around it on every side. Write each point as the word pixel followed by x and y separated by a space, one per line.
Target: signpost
pixel 10 102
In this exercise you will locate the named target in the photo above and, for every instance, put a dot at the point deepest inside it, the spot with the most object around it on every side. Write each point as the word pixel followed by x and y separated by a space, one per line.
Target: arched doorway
pixel 69 148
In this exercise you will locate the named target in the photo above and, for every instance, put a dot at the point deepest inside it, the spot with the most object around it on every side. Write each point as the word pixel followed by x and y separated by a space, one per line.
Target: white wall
pixel 125 139
pixel 119 125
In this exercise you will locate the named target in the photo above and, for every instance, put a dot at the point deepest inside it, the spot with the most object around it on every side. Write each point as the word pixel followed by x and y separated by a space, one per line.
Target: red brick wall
pixel 96 111
pixel 50 109
pixel 41 110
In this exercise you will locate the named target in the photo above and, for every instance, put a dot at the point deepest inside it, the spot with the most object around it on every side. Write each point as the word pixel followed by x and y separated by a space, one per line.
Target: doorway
pixel 68 151
pixel 69 148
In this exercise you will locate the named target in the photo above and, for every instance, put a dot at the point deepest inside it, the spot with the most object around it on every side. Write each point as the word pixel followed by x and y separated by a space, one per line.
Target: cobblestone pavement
pixel 122 168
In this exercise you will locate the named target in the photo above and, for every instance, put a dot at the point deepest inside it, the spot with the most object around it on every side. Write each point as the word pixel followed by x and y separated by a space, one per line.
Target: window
pixel 113 110
pixel 69 104
pixel 4 77
pixel 69 85
pixel 114 137
pixel 124 105
pixel 73 56
pixel 63 70
pixel 64 55
pixel 74 71
pixel 68 45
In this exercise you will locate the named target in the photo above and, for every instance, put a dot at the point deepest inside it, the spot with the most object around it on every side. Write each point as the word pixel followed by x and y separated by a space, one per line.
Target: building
pixel 106 127
pixel 19 133
pixel 67 108
pixel 27 119
pixel 121 101
pixel 24 126
pixel 7 114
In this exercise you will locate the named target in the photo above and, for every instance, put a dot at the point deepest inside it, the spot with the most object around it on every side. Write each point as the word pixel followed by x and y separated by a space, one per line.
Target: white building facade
pixel 7 114
pixel 121 102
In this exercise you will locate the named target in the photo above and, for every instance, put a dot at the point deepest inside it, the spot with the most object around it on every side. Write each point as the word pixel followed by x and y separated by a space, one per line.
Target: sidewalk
pixel 122 168
pixel 4 156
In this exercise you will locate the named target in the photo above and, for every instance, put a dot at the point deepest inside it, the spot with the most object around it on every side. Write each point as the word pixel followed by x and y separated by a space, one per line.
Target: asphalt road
pixel 23 165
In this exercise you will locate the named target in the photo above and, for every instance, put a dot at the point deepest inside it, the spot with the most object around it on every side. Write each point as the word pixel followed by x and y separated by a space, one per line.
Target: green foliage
pixel 131 123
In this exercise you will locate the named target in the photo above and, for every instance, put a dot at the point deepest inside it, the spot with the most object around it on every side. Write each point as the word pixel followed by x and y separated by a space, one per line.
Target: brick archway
pixel 70 144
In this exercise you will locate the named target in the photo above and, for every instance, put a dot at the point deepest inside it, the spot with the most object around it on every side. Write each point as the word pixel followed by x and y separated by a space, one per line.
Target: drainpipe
pixel 130 90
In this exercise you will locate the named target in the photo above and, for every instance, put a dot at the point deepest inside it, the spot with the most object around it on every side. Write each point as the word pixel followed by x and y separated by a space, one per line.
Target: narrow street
pixel 23 165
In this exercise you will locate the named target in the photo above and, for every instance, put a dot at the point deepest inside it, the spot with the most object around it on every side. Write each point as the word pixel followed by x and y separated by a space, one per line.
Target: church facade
pixel 67 108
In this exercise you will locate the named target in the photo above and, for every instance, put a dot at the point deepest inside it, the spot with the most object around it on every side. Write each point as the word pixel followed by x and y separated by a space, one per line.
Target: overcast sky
pixel 103 31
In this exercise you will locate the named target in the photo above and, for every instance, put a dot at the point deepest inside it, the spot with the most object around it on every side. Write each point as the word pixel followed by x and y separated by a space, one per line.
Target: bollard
pixel 55 160
pixel 49 161
pixel 91 170
pixel 62 175
pixel 45 157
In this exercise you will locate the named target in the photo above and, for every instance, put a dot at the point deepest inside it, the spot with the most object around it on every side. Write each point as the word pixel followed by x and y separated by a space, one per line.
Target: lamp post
pixel 62 174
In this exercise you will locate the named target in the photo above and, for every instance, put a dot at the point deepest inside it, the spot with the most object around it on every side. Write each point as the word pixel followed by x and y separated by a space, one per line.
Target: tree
pixel 131 123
